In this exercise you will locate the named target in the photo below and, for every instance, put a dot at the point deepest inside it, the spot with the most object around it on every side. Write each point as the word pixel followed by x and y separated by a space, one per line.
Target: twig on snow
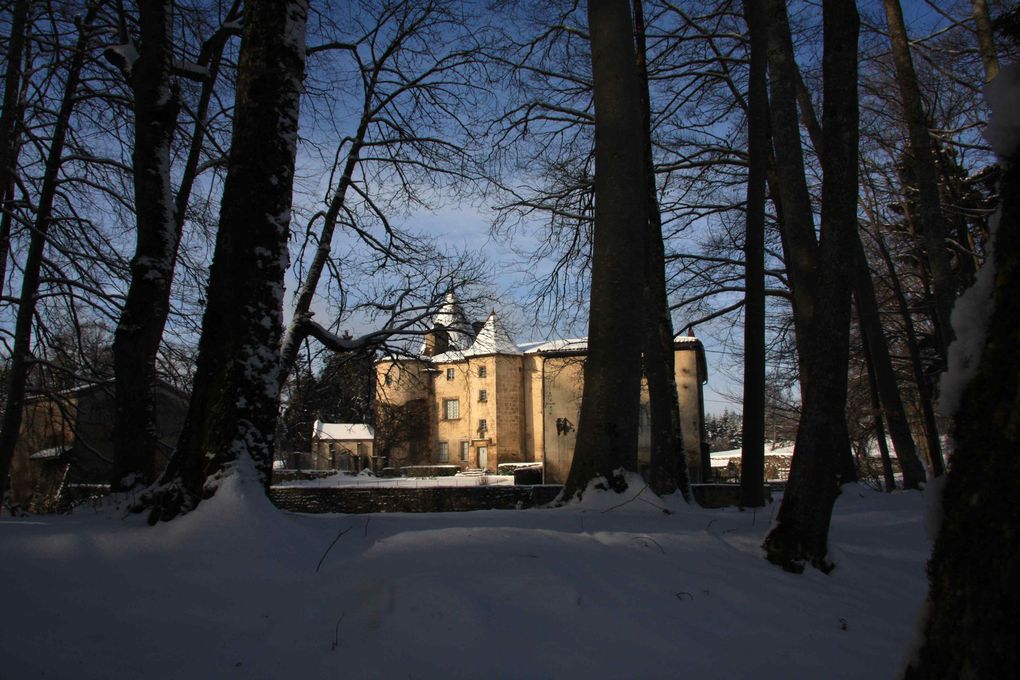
pixel 338 535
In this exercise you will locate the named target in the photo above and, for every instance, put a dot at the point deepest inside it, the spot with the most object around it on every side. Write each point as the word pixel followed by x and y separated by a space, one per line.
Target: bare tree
pixel 752 454
pixel 417 65
pixel 160 217
pixel 608 421
pixel 931 218
pixel 668 469
pixel 21 351
pixel 231 421
pixel 819 274
pixel 10 120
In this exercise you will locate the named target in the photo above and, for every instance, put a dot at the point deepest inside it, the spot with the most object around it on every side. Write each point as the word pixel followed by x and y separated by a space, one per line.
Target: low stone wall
pixel 291 475
pixel 352 500
pixel 721 495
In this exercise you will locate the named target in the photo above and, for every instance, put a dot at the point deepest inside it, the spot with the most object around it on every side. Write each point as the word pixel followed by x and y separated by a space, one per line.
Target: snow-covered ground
pixel 239 589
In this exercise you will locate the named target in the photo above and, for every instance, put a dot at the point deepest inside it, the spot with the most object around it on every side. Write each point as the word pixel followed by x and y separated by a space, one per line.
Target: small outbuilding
pixel 343 446
pixel 65 448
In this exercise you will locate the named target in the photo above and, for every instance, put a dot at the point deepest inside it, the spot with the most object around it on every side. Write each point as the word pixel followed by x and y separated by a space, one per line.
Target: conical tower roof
pixel 493 338
pixel 452 320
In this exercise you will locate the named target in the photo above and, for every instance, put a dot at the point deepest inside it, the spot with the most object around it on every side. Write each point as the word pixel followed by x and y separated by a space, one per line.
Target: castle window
pixel 483 395
pixel 451 409
pixel 481 371
pixel 449 374
pixel 388 379
pixel 465 449
pixel 482 425
pixel 444 452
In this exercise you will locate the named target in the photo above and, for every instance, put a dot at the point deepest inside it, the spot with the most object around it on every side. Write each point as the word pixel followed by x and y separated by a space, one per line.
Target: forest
pixel 225 197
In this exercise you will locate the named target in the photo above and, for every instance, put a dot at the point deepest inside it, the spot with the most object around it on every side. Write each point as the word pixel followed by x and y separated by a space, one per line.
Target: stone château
pixel 476 399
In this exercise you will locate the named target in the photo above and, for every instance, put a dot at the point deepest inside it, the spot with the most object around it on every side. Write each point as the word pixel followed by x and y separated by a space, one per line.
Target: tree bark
pixel 22 345
pixel 930 215
pixel 973 601
pixel 607 430
pixel 752 454
pixel 668 466
pixel 140 329
pixel 819 275
pixel 232 414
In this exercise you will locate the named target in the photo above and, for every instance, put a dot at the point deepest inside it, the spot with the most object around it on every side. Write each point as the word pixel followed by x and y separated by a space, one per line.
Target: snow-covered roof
pixel 567 345
pixel 685 340
pixel 342 431
pixel 581 344
pixel 48 454
pixel 493 338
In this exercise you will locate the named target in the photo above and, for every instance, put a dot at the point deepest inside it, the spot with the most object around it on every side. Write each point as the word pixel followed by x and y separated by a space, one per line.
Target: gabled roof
pixel 342 431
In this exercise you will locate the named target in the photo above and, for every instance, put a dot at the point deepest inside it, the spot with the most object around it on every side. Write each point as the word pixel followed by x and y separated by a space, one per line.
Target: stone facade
pixel 488 401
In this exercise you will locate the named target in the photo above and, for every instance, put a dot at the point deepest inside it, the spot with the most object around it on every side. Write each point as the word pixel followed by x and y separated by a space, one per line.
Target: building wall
pixel 510 415
pixel 45 424
pixel 402 386
pixel 502 409
pixel 351 455
pixel 534 423
pixel 563 382
pixel 689 388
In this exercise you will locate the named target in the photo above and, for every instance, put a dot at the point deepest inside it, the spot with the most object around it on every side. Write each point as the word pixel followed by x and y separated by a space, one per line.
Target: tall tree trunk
pixel 140 329
pixel 21 352
pixel 668 465
pixel 232 414
pixel 930 214
pixel 10 120
pixel 752 454
pixel 986 38
pixel 607 429
pixel 876 408
pixel 925 398
pixel 884 374
pixel 973 600
pixel 822 273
